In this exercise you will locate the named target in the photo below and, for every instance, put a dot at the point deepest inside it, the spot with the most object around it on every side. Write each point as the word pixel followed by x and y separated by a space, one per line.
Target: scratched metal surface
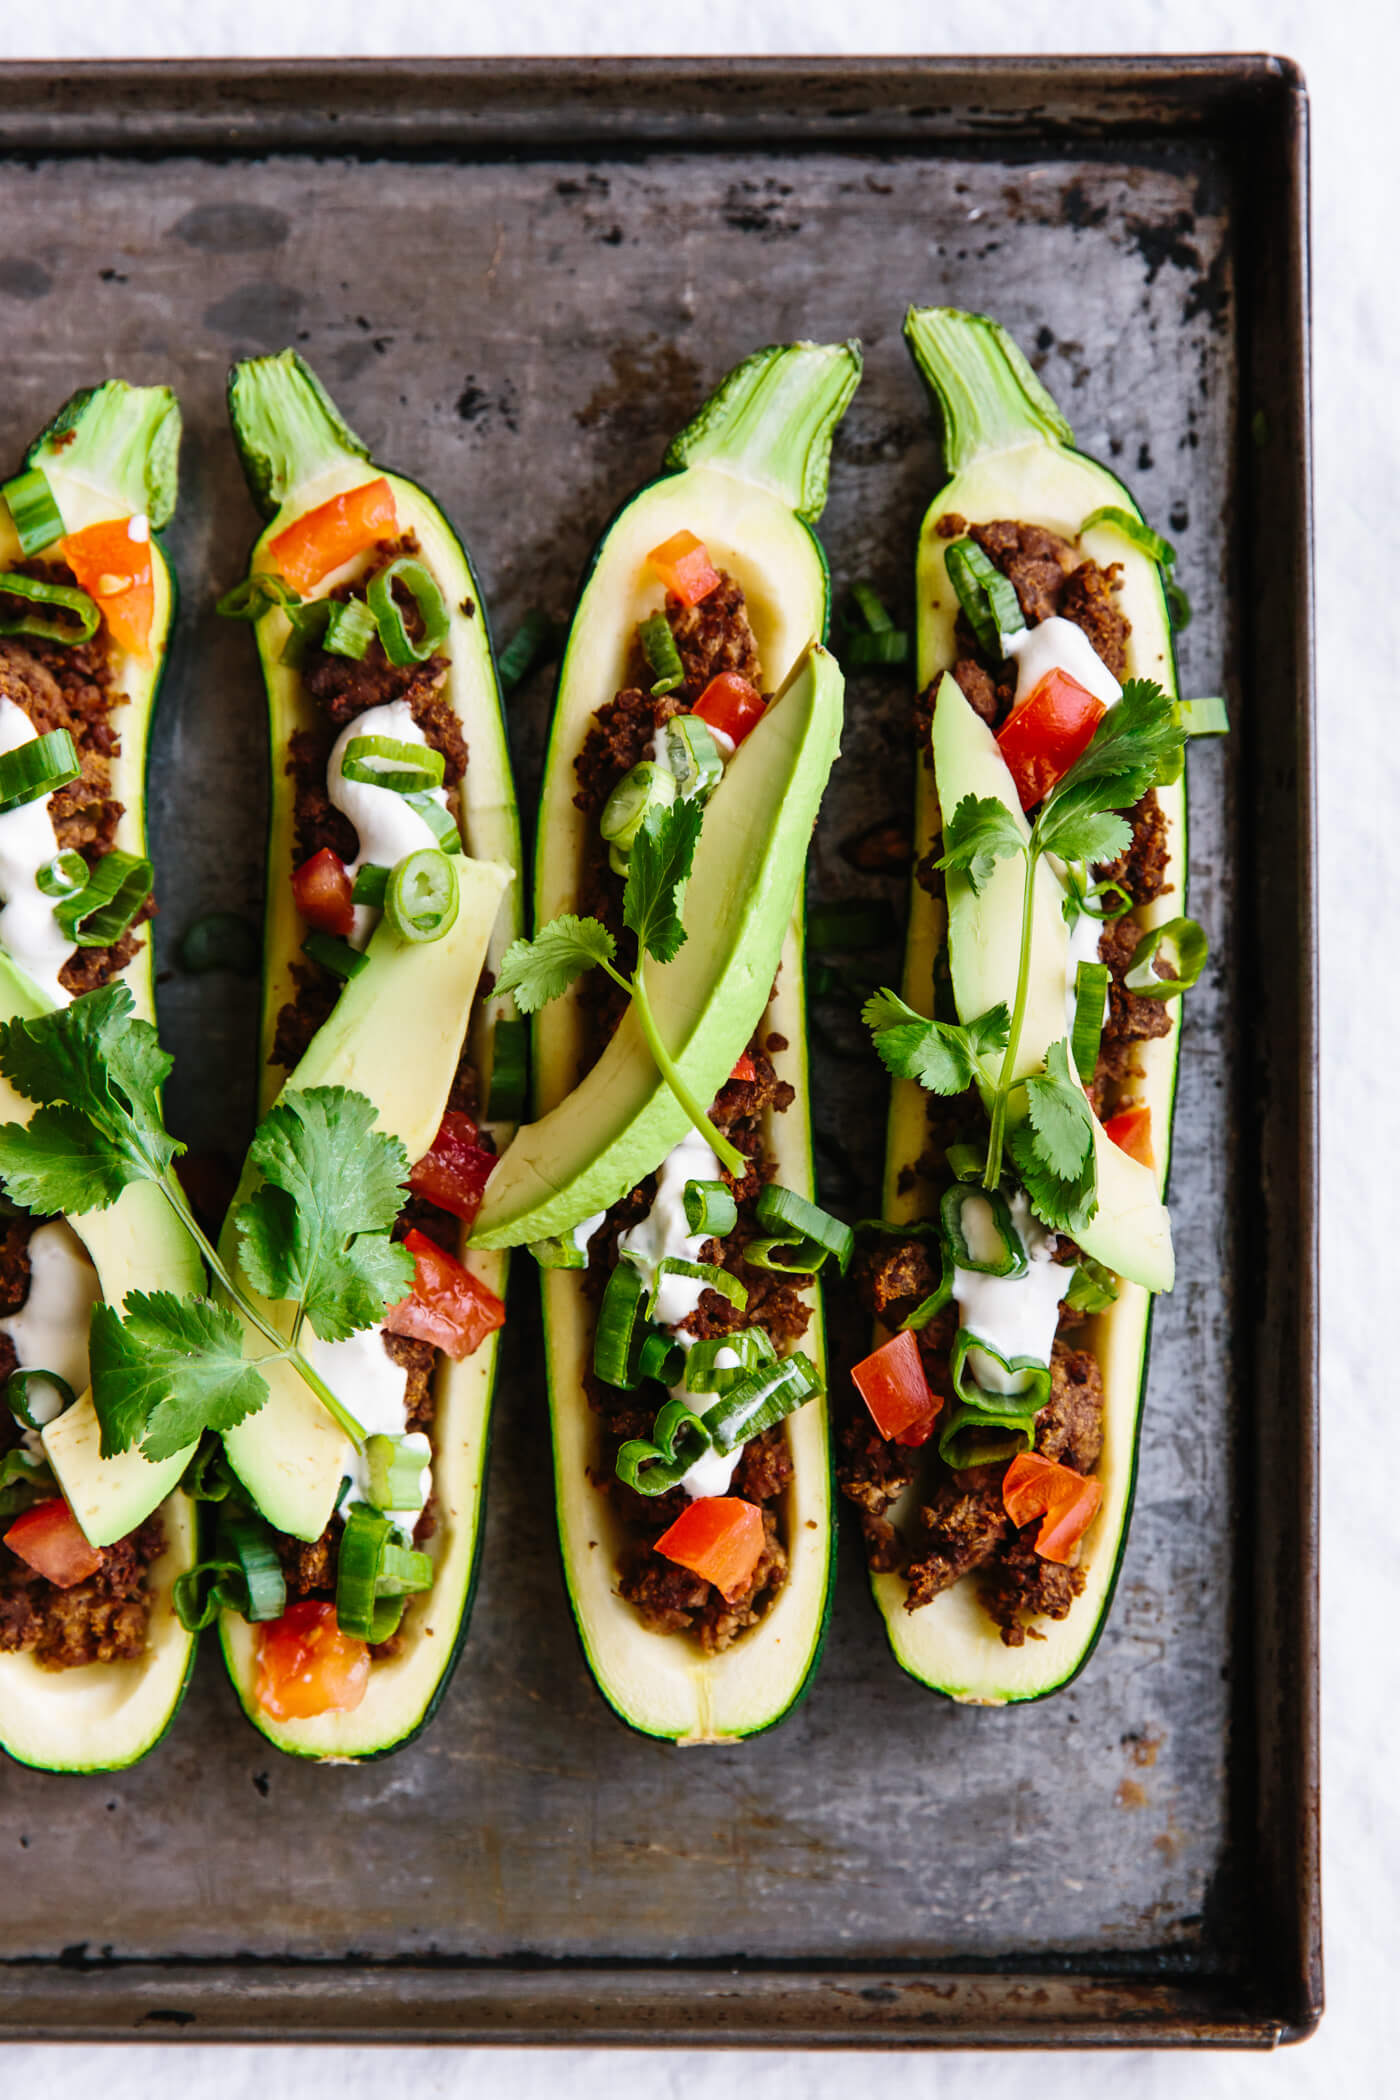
pixel 523 335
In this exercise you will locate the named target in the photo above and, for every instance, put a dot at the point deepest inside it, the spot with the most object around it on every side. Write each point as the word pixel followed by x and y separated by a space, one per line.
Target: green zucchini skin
pixel 705 456
pixel 128 439
pixel 1004 432
pixel 287 467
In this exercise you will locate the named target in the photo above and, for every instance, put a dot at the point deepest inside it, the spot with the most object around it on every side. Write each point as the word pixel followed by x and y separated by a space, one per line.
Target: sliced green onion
pixel 440 821
pixel 801 1234
pixel 63 597
pixel 305 632
pixel 871 609
pixel 334 954
pixel 100 914
pixel 614 1351
pixel 37 518
pixel 399 645
pixel 760 1400
pixel 562 1253
pixel 659 648
pixel 256 595
pixel 1090 992
pixel 1133 528
pixel 1084 897
pixel 63 876
pixel 1210 717
pixel 1029 1397
pixel 371 884
pixel 37 768
pixel 1187 949
pixel 22 1480
pixel 750 1347
pixel 1178 604
pixel 989 1213
pixel 975 1436
pixel 648 786
pixel 986 596
pixel 710 1208
pixel 618 861
pixel 251 1543
pixel 706 1272
pixel 661 1357
pixel 396 1471
pixel 507 1098
pixel 221 940
pixel 695 760
pixel 350 629
pixel 422 899
pixel 850 923
pixel 866 651
pixel 966 1162
pixel 1092 1288
pixel 362 1545
pixel 209 1477
pixel 534 640
pixel 389 762
pixel 929 1308
pixel 244 1577
pixel 22 1388
pixel 404 1571
pixel 678 1439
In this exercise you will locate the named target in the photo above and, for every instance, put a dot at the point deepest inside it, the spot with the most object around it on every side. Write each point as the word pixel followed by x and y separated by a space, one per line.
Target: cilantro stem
pixel 281 1348
pixel 728 1154
pixel 992 1173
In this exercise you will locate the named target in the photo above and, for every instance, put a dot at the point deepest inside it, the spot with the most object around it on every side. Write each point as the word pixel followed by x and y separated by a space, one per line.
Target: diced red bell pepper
pixel 47 1535
pixel 1131 1131
pixel 1033 1486
pixel 311 546
pixel 447 1305
pixel 307 1666
pixel 115 570
pixel 323 892
pixel 1044 733
pixel 720 1539
pixel 455 1169
pixel 684 566
pixel 731 705
pixel 744 1069
pixel 893 1386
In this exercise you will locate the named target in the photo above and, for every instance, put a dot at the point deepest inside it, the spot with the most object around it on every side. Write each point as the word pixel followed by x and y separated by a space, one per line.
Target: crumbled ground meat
pixel 672 1600
pixel 103 1619
pixel 714 636
pixel 1141 867
pixel 1037 563
pixel 1131 1019
pixel 15 1235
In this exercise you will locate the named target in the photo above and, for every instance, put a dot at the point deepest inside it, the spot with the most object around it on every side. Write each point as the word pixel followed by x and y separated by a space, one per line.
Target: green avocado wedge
pixel 748 477
pixel 1010 454
pixel 394 1034
pixel 111 452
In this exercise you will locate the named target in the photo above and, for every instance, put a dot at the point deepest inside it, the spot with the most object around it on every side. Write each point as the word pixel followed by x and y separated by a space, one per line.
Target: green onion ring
pixel 1028 1402
pixel 63 876
pixel 1189 949
pixel 1012 1259
pixel 710 1208
pixel 389 762
pixel 423 897
pixel 399 646
pixel 659 648
pixel 986 596
pixel 34 769
pixel 38 522
pixel 17 1399
pixel 64 597
pixel 116 889
pixel 334 954
pixel 1090 992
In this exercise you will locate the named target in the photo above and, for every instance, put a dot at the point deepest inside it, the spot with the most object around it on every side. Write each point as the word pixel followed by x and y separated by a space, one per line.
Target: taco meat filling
pixel 955 1523
pixel 711 637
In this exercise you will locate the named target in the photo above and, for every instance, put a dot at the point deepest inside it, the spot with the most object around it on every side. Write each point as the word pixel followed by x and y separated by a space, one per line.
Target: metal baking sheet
pixel 518 280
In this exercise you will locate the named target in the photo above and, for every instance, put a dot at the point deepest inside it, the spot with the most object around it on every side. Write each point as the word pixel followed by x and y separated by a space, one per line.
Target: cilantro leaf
pixel 60 1161
pixel 172 1368
pixel 1060 1116
pixel 1077 833
pixel 317 1230
pixel 980 832
pixel 540 970
pixel 1065 1206
pixel 989 1031
pixel 661 857
pixel 1116 768
pixel 97 1071
pixel 939 1054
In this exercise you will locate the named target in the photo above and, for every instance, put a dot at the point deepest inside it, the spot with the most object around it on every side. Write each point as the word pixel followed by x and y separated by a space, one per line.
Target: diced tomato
pixel 313 545
pixel 454 1170
pixel 731 705
pixel 1044 733
pixel 893 1386
pixel 115 569
pixel 719 1538
pixel 307 1666
pixel 744 1069
pixel 1131 1131
pixel 684 566
pixel 447 1305
pixel 1037 1487
pixel 47 1535
pixel 322 889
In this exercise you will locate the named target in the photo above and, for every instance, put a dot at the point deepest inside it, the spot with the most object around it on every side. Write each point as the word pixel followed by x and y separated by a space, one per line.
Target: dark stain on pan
pixel 263 313
pixel 1077 209
pixel 233 229
pixel 1165 241
pixel 22 278
pixel 652 387
pixel 761 208
pixel 477 405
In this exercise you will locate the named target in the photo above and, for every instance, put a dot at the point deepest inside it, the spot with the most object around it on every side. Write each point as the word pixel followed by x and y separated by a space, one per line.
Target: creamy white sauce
pixel 387 827
pixel 1015 1315
pixel 660 753
pixel 366 1380
pixel 50 1330
pixel 138 528
pixel 1058 645
pixel 664 1235
pixel 583 1233
pixel 29 931
pixel 711 1474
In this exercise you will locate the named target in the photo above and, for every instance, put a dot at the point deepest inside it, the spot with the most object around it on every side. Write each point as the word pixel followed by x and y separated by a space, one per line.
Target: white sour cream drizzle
pixel 364 1377
pixel 50 1330
pixel 386 825
pixel 1015 1315
pixel 1058 645
pixel 29 930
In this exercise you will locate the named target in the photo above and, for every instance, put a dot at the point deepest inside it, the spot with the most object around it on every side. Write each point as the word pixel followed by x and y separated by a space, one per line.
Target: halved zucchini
pixel 297 454
pixel 1009 452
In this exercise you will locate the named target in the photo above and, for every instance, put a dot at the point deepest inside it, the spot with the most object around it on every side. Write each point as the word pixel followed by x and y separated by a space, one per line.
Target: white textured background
pixel 1350 50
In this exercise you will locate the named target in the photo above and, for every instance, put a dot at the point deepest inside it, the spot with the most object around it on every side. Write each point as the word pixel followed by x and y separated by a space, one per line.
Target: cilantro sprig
pixel 941 1055
pixel 315 1234
pixel 536 971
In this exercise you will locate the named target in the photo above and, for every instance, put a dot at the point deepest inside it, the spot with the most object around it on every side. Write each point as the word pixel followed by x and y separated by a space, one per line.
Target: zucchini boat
pixel 93 1660
pixel 696 1532
pixel 389 756
pixel 1030 1125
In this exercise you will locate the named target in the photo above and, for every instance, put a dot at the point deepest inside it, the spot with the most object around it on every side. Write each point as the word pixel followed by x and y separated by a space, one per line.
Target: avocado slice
pixel 298 451
pixel 747 476
pixel 111 452
pixel 1010 454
